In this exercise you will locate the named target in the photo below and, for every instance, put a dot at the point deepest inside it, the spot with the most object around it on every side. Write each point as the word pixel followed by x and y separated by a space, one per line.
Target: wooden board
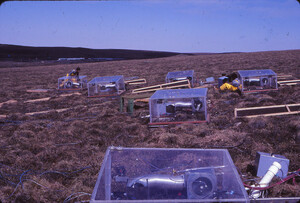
pixel 66 90
pixel 262 107
pixel 294 108
pixel 37 100
pixel 175 123
pixel 273 114
pixel 48 111
pixel 284 76
pixel 11 101
pixel 43 112
pixel 38 90
pixel 203 86
pixel 117 94
pixel 260 111
pixel 48 98
pixel 136 81
pixel 70 94
pixel 280 77
pixel 267 111
pixel 288 82
pixel 171 85
pixel 57 110
pixel 2 116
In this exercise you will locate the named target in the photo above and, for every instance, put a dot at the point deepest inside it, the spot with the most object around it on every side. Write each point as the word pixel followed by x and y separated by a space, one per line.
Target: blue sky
pixel 162 25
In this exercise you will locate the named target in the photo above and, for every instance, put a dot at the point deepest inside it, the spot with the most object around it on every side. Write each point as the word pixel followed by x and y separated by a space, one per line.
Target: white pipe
pixel 182 78
pixel 183 104
pixel 110 85
pixel 264 182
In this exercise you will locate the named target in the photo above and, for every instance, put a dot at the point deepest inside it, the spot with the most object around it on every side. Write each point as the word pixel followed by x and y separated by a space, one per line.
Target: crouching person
pixel 234 87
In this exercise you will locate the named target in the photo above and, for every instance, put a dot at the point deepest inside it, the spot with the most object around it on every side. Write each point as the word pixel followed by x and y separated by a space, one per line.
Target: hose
pixel 278 183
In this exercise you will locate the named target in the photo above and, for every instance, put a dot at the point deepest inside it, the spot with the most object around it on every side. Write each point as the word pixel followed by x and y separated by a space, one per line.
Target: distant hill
pixel 27 53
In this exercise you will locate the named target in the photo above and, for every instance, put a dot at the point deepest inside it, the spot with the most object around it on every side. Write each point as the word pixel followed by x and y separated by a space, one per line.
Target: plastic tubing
pixel 278 183
pixel 266 179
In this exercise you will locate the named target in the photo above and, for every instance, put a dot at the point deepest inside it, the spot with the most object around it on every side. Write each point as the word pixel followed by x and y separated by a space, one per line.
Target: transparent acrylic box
pixel 257 80
pixel 72 83
pixel 106 86
pixel 178 106
pixel 181 175
pixel 180 75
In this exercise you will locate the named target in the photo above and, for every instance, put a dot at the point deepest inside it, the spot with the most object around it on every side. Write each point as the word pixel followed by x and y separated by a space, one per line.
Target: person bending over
pixel 74 73
pixel 227 86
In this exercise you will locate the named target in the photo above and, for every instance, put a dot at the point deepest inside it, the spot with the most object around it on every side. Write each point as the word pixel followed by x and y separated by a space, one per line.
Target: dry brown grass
pixel 72 140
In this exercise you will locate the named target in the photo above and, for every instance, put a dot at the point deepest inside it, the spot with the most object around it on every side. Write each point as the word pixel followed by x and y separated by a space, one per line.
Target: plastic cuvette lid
pixel 164 174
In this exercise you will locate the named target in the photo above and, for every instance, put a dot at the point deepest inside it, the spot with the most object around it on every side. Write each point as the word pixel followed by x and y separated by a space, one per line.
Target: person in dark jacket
pixel 227 86
pixel 72 79
pixel 74 72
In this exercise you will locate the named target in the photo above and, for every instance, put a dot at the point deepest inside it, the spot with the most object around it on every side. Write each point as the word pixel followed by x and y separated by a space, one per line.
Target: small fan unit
pixel 265 81
pixel 69 84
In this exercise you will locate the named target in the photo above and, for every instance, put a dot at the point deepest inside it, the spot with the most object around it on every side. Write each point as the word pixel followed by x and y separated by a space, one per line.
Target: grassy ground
pixel 46 158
